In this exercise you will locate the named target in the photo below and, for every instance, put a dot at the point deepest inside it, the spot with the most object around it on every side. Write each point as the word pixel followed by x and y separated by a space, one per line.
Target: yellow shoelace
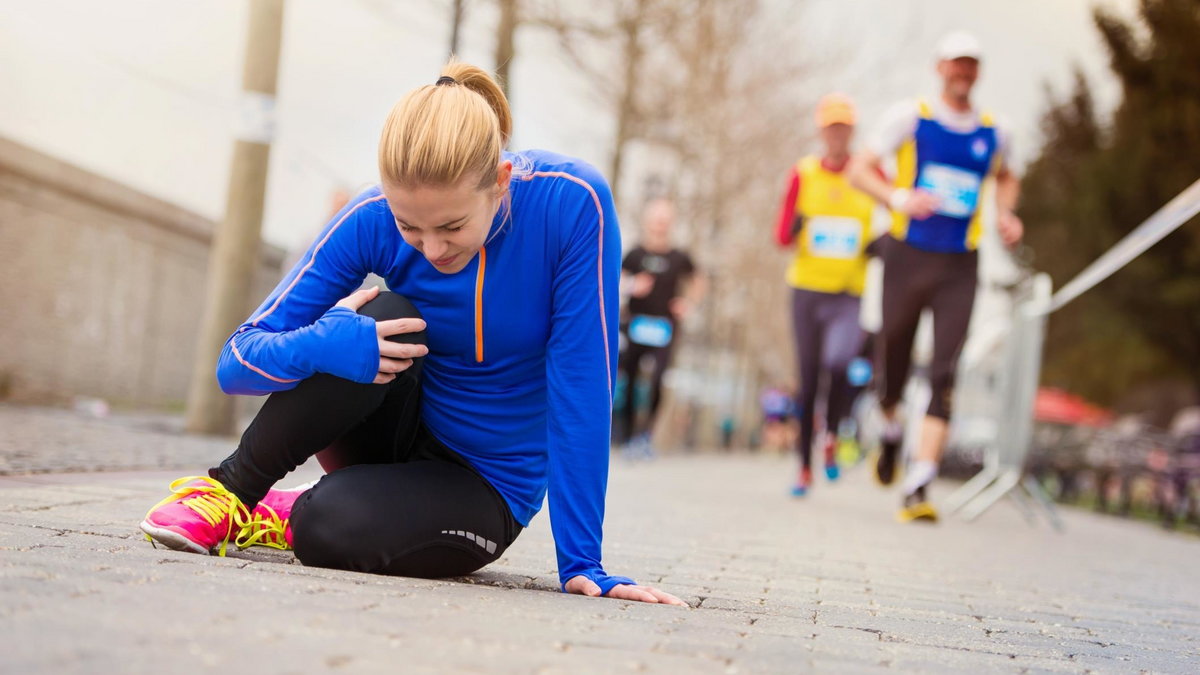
pixel 262 530
pixel 212 501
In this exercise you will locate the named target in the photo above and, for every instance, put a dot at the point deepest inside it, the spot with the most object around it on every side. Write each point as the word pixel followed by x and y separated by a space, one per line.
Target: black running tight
pixel 912 281
pixel 395 500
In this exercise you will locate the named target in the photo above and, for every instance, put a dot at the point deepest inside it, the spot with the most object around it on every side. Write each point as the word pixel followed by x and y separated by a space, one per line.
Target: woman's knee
pixel 337 525
pixel 328 533
pixel 388 305
pixel 439 559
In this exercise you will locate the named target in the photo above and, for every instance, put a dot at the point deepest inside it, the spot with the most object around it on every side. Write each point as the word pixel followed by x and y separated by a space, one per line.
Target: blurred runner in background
pixel 778 410
pixel 662 285
pixel 828 224
pixel 945 152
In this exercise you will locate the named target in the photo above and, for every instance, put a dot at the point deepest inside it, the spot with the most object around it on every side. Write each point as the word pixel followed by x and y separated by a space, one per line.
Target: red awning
pixel 1060 407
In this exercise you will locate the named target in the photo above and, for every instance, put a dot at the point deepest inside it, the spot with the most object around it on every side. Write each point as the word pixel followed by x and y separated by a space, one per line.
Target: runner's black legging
pixel 913 280
pixel 828 337
pixel 629 364
pixel 395 500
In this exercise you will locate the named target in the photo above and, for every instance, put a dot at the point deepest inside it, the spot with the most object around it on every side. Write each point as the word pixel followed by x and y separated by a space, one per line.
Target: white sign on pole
pixel 256 118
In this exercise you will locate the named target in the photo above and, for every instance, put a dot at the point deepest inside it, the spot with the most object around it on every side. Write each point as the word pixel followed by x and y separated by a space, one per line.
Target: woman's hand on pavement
pixel 394 357
pixel 581 585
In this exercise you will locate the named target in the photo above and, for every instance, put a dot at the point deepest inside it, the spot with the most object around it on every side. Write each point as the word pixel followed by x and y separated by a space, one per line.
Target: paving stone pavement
pixel 41 440
pixel 825 584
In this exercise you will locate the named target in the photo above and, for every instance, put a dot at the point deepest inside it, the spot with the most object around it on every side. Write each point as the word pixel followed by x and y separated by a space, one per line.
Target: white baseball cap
pixel 957 45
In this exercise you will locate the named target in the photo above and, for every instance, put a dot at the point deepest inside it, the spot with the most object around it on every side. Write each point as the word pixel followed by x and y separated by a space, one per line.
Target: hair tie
pixel 445 79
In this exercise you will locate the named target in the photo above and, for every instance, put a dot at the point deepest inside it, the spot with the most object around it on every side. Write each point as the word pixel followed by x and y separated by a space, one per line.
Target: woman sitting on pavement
pixel 446 410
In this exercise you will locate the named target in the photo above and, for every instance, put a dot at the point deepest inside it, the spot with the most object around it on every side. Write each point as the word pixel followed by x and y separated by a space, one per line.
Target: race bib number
pixel 834 236
pixel 650 331
pixel 957 190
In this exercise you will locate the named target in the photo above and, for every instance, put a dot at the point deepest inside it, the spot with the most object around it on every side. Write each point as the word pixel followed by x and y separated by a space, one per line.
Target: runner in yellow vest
pixel 828 224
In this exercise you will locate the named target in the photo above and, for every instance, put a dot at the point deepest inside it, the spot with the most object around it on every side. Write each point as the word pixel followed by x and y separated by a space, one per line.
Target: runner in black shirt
pixel 662 284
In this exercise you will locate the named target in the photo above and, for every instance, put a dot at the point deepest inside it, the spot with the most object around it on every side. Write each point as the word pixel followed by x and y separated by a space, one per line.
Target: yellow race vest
pixel 837 225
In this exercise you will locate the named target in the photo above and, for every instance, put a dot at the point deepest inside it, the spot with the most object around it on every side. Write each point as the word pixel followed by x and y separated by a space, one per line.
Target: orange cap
pixel 835 109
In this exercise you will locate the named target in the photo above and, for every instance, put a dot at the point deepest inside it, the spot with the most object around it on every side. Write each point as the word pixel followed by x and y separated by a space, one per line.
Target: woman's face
pixel 448 224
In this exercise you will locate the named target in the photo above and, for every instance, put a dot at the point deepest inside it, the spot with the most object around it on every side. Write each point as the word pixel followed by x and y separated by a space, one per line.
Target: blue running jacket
pixel 522 341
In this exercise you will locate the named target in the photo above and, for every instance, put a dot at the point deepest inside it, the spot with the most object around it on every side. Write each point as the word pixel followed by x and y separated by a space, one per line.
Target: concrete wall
pixel 101 286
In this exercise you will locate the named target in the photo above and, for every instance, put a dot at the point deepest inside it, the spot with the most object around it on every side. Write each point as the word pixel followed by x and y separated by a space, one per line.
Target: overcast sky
pixel 145 91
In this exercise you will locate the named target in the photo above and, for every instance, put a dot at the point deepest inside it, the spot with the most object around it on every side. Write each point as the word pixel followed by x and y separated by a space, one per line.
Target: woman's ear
pixel 503 176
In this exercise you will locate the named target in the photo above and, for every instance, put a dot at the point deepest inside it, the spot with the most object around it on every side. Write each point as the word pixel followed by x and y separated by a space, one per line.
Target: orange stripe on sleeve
pixel 316 250
pixel 599 258
pixel 260 371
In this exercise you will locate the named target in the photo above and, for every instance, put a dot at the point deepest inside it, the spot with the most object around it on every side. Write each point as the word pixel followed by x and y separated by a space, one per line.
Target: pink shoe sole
pixel 171 539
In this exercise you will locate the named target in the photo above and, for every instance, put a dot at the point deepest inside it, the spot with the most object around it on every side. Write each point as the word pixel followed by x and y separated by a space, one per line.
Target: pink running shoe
pixel 269 523
pixel 199 516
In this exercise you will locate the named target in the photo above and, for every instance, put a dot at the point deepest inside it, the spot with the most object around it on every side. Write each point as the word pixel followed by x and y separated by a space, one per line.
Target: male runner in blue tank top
pixel 945 151
pixel 445 409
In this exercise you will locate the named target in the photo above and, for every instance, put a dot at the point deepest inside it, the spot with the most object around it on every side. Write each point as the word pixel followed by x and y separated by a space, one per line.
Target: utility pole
pixel 505 42
pixel 459 10
pixel 234 255
pixel 631 28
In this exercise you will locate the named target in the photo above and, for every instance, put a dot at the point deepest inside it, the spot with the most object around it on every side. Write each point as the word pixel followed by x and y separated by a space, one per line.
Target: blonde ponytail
pixel 481 82
pixel 439 133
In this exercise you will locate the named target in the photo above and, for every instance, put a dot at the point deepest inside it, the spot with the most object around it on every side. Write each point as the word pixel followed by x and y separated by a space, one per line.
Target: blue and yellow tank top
pixel 952 166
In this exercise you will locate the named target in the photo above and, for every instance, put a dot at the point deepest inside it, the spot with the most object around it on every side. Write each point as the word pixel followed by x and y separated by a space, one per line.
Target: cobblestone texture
pixel 828 584
pixel 42 440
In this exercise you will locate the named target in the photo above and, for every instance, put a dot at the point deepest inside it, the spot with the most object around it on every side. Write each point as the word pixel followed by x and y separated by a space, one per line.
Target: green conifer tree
pixel 1093 183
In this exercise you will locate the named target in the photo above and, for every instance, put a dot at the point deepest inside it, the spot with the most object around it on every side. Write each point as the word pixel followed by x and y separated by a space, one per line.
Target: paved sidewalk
pixel 829 584
pixel 51 440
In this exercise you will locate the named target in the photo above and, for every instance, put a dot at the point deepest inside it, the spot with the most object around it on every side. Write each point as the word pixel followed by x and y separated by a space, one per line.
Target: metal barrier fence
pixel 1004 461
pixel 1011 385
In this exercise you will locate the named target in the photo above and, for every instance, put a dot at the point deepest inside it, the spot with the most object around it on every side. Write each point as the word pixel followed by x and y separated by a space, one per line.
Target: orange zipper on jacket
pixel 479 305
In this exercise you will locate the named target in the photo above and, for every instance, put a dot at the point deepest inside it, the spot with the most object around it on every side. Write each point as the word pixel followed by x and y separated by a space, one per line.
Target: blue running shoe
pixel 831 467
pixel 800 489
